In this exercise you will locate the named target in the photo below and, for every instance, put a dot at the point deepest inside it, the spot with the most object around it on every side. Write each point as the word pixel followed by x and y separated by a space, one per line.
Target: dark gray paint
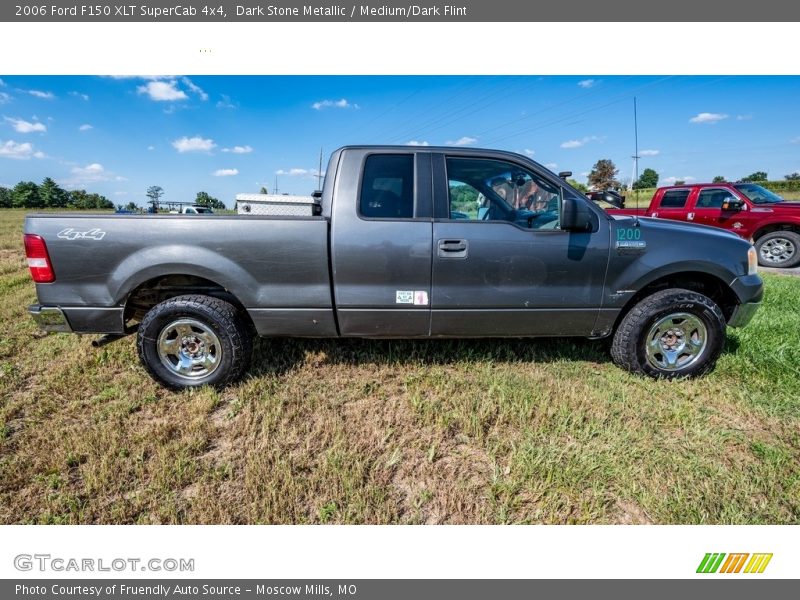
pixel 476 11
pixel 512 281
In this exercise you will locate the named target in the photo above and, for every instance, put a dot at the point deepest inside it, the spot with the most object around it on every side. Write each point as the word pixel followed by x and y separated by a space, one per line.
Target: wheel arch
pixel 697 281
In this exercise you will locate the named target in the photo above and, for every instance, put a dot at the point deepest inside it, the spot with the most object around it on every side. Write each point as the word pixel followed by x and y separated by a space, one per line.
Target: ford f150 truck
pixel 410 242
pixel 747 209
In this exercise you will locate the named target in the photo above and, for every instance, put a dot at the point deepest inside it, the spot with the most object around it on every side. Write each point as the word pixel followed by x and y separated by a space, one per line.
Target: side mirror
pixel 576 215
pixel 731 203
pixel 565 174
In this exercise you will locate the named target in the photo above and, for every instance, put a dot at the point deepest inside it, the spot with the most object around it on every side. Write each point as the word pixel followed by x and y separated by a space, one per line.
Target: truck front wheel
pixel 194 340
pixel 779 249
pixel 673 333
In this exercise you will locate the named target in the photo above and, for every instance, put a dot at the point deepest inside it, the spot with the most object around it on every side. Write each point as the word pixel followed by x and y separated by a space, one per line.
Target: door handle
pixel 452 248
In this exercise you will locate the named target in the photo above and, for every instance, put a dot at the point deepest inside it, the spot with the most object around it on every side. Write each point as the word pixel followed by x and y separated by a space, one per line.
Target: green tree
pixel 53 195
pixel 5 197
pixel 79 199
pixel 648 179
pixel 604 175
pixel 204 199
pixel 154 192
pixel 578 185
pixel 132 206
pixel 792 177
pixel 26 195
pixel 718 179
pixel 757 176
pixel 679 182
pixel 263 190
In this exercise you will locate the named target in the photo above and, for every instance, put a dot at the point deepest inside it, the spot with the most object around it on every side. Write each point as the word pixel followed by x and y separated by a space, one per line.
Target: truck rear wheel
pixel 779 249
pixel 673 333
pixel 194 340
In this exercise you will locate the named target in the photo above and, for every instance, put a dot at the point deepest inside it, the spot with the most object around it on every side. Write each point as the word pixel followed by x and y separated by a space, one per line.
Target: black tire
pixel 673 333
pixel 780 249
pixel 204 338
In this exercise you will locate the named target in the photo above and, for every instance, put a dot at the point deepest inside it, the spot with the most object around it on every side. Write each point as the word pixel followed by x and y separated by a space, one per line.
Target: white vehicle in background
pixel 194 209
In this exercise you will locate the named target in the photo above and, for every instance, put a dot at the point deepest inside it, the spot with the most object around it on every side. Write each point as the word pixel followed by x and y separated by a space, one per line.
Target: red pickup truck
pixel 746 209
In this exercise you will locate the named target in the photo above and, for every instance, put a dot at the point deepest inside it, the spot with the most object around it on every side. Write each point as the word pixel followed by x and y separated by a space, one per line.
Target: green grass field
pixel 397 432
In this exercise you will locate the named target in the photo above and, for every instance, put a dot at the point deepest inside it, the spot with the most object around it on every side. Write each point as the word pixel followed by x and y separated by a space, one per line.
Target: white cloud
pixel 80 95
pixel 744 117
pixel 162 91
pixel 21 126
pixel 91 173
pixel 4 98
pixel 85 127
pixel 706 117
pixel 239 150
pixel 417 143
pixel 292 172
pixel 649 152
pixel 226 102
pixel 151 147
pixel 43 95
pixel 193 144
pixel 672 180
pixel 194 88
pixel 587 83
pixel 529 152
pixel 551 166
pixel 19 151
pixel 581 142
pixel 343 103
pixel 120 193
pixel 462 141
pixel 225 172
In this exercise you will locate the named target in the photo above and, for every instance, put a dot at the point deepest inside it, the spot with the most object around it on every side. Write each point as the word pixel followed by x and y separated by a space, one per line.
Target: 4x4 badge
pixel 71 234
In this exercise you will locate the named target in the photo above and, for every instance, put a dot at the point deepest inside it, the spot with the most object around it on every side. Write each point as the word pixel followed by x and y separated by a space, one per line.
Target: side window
pixel 493 190
pixel 387 187
pixel 712 198
pixel 674 198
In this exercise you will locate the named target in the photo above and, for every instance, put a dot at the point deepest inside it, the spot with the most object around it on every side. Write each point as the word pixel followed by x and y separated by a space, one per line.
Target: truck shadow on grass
pixel 276 356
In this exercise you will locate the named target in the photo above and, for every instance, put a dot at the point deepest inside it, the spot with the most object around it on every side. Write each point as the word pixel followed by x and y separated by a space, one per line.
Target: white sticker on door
pixel 404 297
pixel 421 298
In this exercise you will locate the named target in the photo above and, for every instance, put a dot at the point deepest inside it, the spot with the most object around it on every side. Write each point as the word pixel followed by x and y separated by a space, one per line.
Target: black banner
pixel 403 10
pixel 398 589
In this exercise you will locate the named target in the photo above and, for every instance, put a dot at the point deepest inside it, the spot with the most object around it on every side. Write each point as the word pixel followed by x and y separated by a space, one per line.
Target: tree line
pixel 603 176
pixel 27 194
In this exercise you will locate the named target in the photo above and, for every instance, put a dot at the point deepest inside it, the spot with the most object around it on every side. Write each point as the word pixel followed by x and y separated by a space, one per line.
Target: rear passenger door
pixel 673 205
pixel 381 243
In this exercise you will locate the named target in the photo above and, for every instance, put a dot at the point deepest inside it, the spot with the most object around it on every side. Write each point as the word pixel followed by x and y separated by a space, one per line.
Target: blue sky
pixel 230 134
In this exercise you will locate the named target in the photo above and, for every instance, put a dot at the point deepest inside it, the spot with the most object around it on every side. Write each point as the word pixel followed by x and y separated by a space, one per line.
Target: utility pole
pixel 275 189
pixel 319 171
pixel 635 157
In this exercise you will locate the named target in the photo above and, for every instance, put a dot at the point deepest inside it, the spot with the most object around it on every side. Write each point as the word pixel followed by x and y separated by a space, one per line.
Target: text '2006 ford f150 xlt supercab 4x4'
pixel 409 242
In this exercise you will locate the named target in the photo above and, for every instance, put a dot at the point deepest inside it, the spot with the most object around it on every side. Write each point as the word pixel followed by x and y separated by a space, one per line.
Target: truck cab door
pixel 381 249
pixel 713 207
pixel 502 266
pixel 673 205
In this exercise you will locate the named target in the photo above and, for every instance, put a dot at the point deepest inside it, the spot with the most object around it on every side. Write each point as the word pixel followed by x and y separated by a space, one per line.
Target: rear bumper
pixel 49 318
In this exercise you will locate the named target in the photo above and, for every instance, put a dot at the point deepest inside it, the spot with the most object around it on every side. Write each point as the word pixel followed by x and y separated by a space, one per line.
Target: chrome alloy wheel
pixel 777 251
pixel 189 349
pixel 676 341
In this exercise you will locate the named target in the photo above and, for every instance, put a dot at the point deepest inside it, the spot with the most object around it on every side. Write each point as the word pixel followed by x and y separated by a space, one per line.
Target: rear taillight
pixel 38 259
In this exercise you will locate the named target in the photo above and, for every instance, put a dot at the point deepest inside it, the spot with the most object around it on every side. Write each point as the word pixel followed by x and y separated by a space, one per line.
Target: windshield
pixel 758 194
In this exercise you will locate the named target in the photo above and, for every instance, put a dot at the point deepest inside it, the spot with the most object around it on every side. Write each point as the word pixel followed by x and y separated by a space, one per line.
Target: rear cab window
pixel 674 198
pixel 387 187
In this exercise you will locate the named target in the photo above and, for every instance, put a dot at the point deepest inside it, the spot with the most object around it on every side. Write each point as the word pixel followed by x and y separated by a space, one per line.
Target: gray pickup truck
pixel 409 242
